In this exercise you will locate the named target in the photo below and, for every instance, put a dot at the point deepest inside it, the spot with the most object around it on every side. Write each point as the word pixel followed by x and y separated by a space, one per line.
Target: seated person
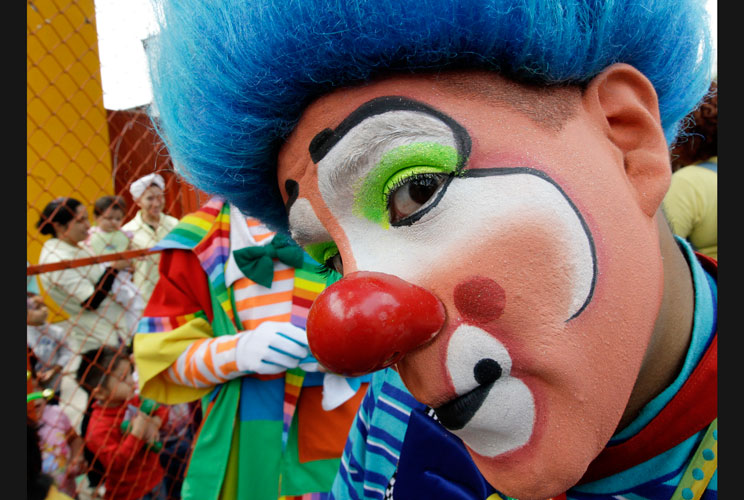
pixel 96 318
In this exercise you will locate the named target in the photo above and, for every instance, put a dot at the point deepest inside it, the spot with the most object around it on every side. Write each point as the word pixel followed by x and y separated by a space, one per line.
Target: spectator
pixel 61 447
pixel 39 486
pixel 106 236
pixel 133 469
pixel 47 341
pixel 148 226
pixel 177 435
pixel 32 412
pixel 82 292
pixel 691 204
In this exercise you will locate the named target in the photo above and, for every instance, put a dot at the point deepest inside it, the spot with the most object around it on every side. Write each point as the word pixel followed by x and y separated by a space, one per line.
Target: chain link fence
pixel 78 149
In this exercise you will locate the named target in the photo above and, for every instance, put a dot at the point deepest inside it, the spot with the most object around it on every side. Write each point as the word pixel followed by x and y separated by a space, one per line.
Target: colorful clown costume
pixel 396 446
pixel 263 436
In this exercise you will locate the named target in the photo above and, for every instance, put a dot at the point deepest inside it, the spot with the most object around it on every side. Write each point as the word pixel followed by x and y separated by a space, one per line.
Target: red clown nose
pixel 368 321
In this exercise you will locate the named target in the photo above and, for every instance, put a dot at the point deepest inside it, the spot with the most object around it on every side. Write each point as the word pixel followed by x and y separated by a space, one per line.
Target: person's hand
pixel 141 427
pixel 77 465
pixel 145 427
pixel 46 375
pixel 36 311
pixel 122 264
pixel 271 348
pixel 152 434
pixel 337 390
pixel 157 421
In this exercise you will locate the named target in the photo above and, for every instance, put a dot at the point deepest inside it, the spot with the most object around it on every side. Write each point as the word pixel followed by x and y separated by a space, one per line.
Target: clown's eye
pixel 412 194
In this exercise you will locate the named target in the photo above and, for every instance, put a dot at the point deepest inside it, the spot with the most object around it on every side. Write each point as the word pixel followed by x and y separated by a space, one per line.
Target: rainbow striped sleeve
pixel 307 286
pixel 157 324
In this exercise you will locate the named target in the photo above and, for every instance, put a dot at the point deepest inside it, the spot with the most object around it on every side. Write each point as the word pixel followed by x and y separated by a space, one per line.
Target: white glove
pixel 271 348
pixel 310 364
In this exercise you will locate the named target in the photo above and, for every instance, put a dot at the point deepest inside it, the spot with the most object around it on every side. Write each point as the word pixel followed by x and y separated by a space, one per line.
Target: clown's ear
pixel 625 101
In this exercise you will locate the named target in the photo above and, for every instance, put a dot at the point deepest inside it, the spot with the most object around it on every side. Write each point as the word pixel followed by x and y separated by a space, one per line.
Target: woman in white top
pixel 82 292
pixel 149 226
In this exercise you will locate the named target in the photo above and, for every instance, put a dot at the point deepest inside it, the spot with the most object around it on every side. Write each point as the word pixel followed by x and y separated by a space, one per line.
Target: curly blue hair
pixel 231 78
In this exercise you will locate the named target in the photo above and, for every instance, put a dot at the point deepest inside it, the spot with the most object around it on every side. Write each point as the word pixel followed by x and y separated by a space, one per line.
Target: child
pixel 106 236
pixel 47 341
pixel 60 446
pixel 176 436
pixel 39 486
pixel 133 470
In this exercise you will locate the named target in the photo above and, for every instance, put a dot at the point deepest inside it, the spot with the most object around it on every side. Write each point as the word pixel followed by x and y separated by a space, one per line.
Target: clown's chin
pixel 524 479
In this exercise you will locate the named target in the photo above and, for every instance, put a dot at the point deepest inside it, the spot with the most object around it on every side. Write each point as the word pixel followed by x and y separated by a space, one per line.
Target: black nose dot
pixel 487 371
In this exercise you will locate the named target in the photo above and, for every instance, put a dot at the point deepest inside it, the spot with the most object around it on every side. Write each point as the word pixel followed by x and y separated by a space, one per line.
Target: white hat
pixel 138 187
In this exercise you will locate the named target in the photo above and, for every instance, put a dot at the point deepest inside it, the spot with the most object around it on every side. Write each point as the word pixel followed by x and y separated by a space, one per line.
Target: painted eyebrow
pixel 292 187
pixel 327 138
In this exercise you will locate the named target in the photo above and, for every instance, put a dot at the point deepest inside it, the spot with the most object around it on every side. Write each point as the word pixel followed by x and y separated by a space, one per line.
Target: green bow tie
pixel 257 263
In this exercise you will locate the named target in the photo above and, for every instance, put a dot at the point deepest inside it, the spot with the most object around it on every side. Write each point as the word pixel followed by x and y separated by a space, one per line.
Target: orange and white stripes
pixel 256 303
pixel 208 362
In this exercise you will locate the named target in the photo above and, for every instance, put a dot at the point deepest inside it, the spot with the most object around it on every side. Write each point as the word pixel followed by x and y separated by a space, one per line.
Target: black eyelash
pixel 327 272
pixel 401 182
pixel 324 270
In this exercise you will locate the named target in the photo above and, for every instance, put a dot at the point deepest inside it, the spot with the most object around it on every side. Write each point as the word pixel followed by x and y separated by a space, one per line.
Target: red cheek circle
pixel 479 299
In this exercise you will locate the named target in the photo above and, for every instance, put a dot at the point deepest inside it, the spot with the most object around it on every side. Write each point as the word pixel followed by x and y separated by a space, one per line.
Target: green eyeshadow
pixel 395 166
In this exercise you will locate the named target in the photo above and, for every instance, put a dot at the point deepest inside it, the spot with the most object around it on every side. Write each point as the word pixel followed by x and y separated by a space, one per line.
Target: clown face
pixel 529 234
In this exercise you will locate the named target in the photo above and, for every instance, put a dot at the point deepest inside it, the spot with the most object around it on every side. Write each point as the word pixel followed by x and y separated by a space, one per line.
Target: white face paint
pixel 486 204
pixel 470 209
pixel 304 224
pixel 505 419
pixel 357 153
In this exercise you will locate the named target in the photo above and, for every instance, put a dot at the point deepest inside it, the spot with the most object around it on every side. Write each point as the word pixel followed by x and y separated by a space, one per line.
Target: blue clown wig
pixel 232 77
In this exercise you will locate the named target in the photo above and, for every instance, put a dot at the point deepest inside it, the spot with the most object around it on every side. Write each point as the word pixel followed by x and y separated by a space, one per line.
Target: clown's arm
pixel 271 348
pixel 178 357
